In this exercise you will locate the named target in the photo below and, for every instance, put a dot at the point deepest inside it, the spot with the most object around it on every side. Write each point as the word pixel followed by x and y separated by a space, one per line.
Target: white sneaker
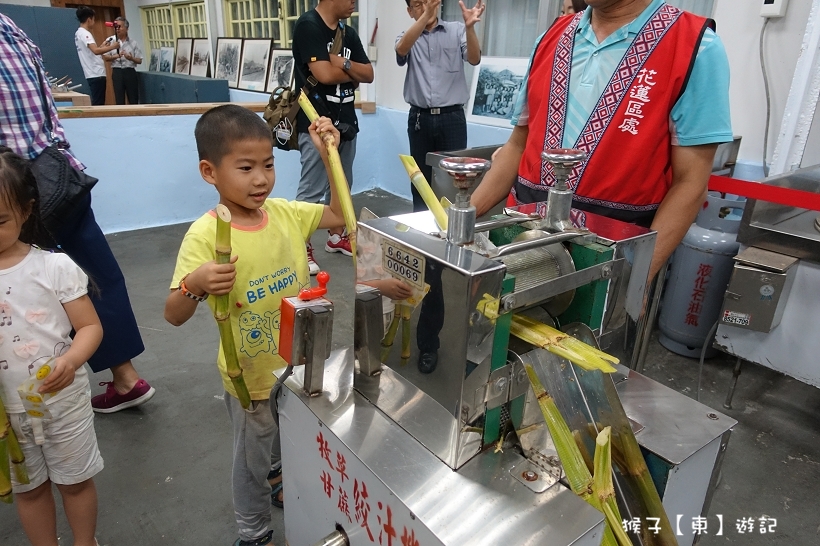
pixel 312 265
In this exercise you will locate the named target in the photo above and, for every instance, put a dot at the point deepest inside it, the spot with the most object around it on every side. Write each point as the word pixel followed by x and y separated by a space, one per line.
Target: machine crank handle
pixel 562 237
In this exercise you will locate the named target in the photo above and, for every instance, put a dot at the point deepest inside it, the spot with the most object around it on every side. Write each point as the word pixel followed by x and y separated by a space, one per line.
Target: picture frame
pixel 253 71
pixel 280 72
pixel 182 64
pixel 201 58
pixel 166 59
pixel 494 90
pixel 153 63
pixel 226 62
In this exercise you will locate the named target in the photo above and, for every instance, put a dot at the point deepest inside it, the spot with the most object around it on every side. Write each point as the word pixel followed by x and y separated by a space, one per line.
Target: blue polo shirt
pixel 701 115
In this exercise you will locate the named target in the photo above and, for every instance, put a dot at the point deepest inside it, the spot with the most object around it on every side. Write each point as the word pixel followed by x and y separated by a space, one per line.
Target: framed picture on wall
pixel 280 73
pixel 228 55
pixel 166 59
pixel 183 62
pixel 494 90
pixel 254 66
pixel 153 64
pixel 201 58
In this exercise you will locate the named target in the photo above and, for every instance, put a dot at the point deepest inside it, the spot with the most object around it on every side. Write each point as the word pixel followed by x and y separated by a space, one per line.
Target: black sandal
pixel 276 488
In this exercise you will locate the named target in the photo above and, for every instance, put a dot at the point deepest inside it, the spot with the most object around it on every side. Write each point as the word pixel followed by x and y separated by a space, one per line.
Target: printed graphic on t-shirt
pixel 259 332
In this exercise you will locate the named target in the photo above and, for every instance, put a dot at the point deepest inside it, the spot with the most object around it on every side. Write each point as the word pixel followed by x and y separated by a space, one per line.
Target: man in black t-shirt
pixel 338 77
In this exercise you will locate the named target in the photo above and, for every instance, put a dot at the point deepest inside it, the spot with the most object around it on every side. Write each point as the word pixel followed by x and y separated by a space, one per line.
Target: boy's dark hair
pixel 220 128
pixel 18 190
pixel 84 13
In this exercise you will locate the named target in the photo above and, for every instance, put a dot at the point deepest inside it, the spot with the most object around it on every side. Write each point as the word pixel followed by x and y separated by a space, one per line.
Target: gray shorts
pixel 314 186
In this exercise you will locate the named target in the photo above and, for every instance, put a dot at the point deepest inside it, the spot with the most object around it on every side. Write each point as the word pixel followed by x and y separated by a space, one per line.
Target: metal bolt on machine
pixel 461 455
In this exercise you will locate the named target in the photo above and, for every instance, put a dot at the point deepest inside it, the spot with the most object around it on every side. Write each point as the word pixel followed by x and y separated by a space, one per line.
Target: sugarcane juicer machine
pixel 377 452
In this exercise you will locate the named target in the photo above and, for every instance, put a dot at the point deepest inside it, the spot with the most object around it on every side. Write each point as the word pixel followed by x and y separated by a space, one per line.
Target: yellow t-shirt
pixel 272 265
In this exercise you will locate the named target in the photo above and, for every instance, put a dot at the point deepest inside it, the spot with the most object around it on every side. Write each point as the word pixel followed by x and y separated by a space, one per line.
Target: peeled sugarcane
pixel 578 475
pixel 5 472
pixel 424 189
pixel 561 344
pixel 222 312
pixel 339 178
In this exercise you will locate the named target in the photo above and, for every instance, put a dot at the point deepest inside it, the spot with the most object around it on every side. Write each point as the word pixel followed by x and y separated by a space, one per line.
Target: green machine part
pixel 587 307
pixel 589 302
pixel 501 340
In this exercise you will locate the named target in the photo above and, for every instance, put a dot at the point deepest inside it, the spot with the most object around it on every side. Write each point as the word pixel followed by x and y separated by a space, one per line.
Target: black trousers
pixel 433 133
pixel 125 83
pixel 83 240
pixel 97 86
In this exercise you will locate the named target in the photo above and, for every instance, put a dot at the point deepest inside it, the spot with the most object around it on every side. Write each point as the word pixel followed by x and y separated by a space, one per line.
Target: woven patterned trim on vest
pixel 622 79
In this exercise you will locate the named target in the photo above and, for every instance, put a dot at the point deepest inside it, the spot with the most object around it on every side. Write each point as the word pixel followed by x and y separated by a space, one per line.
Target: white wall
pixel 36 3
pixel 738 24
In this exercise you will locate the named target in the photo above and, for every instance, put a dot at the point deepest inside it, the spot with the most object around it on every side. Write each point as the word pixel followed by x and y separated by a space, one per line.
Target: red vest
pixel 627 136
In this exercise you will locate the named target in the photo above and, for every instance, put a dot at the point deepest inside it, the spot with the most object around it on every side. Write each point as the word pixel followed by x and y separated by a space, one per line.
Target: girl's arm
pixel 87 338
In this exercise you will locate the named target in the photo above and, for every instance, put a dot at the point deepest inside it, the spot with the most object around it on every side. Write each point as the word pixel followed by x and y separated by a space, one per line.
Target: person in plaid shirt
pixel 23 118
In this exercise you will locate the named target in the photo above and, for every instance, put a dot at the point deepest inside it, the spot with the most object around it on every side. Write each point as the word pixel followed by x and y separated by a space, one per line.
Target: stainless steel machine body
pixel 403 454
pixel 793 233
pixel 354 466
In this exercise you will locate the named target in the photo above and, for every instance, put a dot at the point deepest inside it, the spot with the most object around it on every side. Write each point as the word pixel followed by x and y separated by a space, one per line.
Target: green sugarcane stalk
pixel 222 312
pixel 338 172
pixel 634 466
pixel 16 456
pixel 424 189
pixel 390 336
pixel 406 315
pixel 5 472
pixel 578 475
pixel 605 489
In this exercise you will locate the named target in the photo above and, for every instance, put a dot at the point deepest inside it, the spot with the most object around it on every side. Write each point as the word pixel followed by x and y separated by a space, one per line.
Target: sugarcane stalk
pixel 578 475
pixel 338 175
pixel 406 314
pixel 561 344
pixel 635 467
pixel 605 489
pixel 390 336
pixel 222 312
pixel 424 189
pixel 16 456
pixel 5 472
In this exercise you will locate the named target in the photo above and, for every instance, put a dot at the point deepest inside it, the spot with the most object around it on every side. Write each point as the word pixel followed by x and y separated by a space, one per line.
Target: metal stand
pixel 559 201
pixel 645 330
pixel 466 172
pixel 735 374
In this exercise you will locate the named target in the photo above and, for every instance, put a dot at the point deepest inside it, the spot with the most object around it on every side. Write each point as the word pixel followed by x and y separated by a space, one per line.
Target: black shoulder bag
pixel 283 105
pixel 62 188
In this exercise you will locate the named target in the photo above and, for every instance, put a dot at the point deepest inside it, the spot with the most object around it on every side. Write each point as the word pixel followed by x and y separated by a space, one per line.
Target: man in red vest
pixel 640 86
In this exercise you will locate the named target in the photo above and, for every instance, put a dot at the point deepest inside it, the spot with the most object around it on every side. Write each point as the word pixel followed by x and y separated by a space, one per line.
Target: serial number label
pixel 403 263
pixel 738 319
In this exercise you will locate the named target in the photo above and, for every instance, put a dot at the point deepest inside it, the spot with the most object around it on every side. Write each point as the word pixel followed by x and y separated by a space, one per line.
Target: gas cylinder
pixel 698 277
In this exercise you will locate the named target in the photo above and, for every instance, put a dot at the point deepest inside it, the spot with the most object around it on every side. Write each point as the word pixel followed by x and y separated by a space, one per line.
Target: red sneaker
pixel 111 401
pixel 312 265
pixel 339 243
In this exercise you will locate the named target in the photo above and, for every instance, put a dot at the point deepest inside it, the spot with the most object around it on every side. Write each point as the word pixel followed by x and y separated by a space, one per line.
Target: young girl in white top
pixel 43 297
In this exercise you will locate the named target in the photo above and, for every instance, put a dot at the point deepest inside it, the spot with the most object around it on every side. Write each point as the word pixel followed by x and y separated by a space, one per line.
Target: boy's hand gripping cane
pixel 339 178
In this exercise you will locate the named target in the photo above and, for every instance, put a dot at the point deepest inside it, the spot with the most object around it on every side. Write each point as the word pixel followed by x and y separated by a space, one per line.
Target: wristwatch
pixel 346 65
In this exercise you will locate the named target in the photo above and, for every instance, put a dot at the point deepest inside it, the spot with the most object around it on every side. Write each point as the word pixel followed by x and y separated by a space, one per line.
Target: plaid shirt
pixel 22 119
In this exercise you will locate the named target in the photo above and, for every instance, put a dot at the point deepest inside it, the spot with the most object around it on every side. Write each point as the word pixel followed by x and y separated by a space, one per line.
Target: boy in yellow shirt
pixel 268 238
